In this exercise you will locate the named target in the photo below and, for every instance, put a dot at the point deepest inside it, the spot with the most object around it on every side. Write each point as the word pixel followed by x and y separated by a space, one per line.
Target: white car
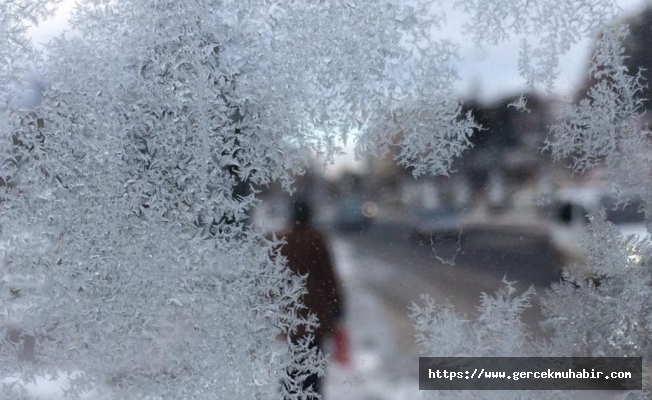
pixel 570 212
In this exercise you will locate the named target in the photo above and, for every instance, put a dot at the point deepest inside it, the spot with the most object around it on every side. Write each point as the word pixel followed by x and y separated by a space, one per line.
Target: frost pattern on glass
pixel 546 29
pixel 610 114
pixel 16 17
pixel 607 127
pixel 498 331
pixel 127 257
pixel 604 313
pixel 616 302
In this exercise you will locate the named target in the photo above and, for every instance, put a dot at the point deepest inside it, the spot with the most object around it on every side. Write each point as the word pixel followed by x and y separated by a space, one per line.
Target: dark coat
pixel 307 253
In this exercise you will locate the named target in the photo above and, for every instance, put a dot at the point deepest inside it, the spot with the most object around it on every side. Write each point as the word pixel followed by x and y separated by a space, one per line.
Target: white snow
pixel 377 358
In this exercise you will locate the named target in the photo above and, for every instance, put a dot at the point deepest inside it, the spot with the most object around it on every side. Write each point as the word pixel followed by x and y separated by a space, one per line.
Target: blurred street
pixel 384 271
pixel 398 267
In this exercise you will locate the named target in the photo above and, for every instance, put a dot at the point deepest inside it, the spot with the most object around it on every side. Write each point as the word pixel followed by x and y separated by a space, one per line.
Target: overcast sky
pixel 493 73
pixel 486 74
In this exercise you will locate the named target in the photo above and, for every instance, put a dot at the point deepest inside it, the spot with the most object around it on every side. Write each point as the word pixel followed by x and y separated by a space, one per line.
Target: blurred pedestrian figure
pixel 307 253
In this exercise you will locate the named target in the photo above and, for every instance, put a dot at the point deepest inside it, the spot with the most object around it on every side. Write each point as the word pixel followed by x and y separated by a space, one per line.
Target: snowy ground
pixel 384 360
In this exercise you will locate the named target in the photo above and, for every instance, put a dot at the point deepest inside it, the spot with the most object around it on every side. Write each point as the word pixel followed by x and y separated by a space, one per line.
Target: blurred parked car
pixel 570 214
pixel 439 222
pixel 355 214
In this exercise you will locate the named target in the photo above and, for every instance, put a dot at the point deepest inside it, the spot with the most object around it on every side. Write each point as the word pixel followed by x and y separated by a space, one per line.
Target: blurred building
pixel 506 158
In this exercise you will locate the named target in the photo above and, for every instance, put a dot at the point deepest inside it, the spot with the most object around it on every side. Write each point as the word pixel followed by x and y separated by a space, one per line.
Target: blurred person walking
pixel 308 254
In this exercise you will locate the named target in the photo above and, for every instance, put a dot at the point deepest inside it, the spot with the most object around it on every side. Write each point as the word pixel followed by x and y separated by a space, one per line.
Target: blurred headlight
pixel 370 209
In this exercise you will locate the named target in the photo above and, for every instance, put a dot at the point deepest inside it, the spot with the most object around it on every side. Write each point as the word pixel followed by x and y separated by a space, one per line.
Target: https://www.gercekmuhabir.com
pixel 521 373
pixel 516 375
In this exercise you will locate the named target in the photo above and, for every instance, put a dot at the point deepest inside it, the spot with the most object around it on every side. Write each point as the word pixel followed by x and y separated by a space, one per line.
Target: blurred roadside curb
pixel 518 222
pixel 388 214
pixel 526 222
